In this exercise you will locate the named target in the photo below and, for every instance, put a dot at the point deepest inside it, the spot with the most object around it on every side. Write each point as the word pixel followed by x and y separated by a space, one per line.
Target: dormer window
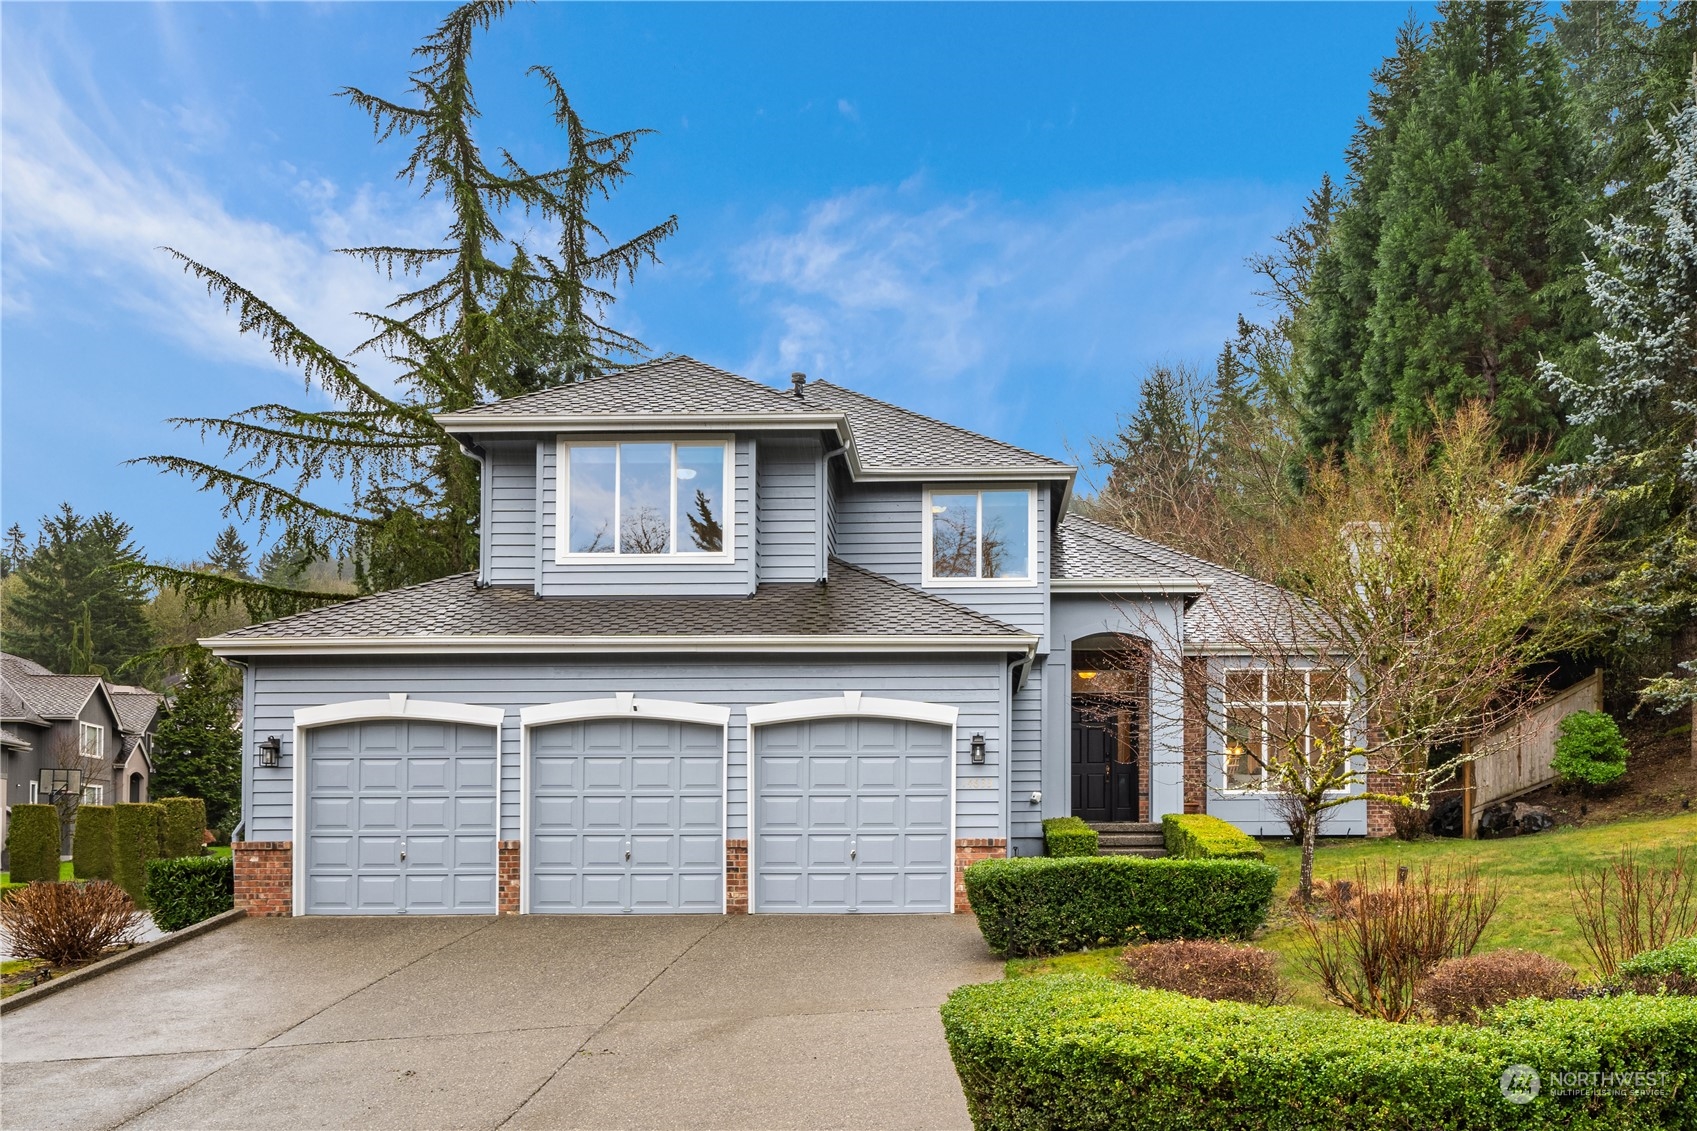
pixel 979 536
pixel 644 499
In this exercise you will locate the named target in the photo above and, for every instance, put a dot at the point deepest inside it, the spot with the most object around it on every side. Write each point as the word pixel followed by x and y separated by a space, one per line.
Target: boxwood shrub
pixel 32 843
pixel 1041 905
pixel 184 827
pixel 91 844
pixel 1068 836
pixel 1071 1051
pixel 1197 836
pixel 135 841
pixel 1590 751
pixel 186 889
pixel 1672 969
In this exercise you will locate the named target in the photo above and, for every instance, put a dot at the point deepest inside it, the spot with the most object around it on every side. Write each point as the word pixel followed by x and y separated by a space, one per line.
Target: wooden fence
pixel 1518 757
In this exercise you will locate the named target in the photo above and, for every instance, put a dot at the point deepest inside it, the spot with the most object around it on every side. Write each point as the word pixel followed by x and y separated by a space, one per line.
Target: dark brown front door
pixel 1104 765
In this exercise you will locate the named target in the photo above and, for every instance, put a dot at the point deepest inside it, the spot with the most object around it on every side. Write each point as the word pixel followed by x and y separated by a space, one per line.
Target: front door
pixel 1104 764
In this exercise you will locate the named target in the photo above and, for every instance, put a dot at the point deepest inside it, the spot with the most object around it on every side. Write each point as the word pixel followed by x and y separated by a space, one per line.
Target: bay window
pixel 979 535
pixel 644 498
pixel 1274 717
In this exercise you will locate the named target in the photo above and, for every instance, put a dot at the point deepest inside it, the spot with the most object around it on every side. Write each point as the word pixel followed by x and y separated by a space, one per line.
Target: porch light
pixel 977 750
pixel 271 752
pixel 1085 675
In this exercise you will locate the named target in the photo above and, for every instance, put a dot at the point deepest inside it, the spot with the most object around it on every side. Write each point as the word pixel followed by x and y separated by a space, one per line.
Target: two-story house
pixel 729 648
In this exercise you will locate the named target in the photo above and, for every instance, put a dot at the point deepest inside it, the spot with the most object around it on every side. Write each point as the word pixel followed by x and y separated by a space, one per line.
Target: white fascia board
pixel 1252 650
pixel 1176 585
pixel 625 705
pixel 963 474
pixel 399 706
pixel 852 704
pixel 646 422
pixel 454 645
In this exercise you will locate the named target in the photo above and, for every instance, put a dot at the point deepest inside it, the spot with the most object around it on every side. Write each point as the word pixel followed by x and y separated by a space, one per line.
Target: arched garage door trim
pixel 623 705
pixel 396 706
pixel 850 704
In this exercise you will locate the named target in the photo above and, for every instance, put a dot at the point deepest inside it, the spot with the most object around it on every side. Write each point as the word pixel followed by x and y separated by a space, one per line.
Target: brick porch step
pixel 1130 838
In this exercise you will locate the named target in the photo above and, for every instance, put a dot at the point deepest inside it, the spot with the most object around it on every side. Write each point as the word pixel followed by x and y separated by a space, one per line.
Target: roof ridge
pixel 357 599
pixel 653 362
pixel 935 420
pixel 952 606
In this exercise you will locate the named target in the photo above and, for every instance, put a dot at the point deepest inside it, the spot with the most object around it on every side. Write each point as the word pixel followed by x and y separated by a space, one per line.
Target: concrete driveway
pixel 664 1022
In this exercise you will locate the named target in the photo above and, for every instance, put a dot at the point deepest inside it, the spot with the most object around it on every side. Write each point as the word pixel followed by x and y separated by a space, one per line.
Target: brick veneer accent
pixel 1195 699
pixel 265 876
pixel 507 862
pixel 968 853
pixel 1381 820
pixel 736 877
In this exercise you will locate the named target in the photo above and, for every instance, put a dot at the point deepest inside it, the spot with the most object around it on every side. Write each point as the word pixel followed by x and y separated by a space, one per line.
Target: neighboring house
pixel 728 648
pixel 51 724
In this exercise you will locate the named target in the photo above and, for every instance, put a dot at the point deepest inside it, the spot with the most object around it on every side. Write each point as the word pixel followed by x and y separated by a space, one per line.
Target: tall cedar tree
pixel 72 610
pixel 482 316
pixel 1477 270
pixel 1640 415
pixel 197 746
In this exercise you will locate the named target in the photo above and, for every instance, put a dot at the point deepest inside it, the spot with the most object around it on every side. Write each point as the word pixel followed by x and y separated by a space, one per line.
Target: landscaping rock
pixel 1514 818
pixel 1446 818
pixel 1529 819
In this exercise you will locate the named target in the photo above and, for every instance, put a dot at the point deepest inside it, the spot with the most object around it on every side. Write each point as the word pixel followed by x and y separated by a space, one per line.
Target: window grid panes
pixel 981 535
pixel 1268 711
pixel 645 498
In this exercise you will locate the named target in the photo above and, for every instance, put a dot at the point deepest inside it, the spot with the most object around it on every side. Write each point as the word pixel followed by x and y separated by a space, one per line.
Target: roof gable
pixel 889 438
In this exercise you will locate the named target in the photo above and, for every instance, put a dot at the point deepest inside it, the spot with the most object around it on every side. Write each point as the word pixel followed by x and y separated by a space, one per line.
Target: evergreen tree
pixel 1640 413
pixel 229 554
pixel 481 316
pixel 1477 271
pixel 14 551
pixel 75 609
pixel 197 746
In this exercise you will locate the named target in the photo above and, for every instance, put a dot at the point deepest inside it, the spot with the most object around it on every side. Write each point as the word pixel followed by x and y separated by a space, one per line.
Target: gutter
pixel 1169 585
pixel 437 645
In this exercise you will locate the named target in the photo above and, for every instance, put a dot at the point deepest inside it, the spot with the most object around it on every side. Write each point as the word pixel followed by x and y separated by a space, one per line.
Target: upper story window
pixel 1272 715
pixel 91 740
pixel 644 498
pixel 974 536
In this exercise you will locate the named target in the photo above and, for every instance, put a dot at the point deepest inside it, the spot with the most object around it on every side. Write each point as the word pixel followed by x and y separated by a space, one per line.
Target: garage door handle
pixel 852 852
pixel 403 850
pixel 627 854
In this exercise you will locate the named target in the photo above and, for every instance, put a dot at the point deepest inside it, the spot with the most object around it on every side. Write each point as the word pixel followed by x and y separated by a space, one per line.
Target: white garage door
pixel 853 814
pixel 401 817
pixel 626 815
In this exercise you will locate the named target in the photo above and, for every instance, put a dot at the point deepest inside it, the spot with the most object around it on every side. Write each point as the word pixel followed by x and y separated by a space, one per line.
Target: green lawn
pixel 218 850
pixel 1534 913
pixel 64 873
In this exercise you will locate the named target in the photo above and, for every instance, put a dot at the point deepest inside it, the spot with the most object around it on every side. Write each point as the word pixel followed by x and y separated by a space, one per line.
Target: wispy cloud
pixel 976 302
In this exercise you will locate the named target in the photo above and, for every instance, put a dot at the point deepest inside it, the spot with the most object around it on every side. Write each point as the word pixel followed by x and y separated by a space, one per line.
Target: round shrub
pixel 1461 989
pixel 184 890
pixel 1066 1052
pixel 1589 750
pixel 64 923
pixel 135 841
pixel 1215 971
pixel 32 843
pixel 184 826
pixel 1672 969
pixel 91 844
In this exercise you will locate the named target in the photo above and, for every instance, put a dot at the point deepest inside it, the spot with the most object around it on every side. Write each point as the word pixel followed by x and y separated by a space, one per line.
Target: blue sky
pixel 996 214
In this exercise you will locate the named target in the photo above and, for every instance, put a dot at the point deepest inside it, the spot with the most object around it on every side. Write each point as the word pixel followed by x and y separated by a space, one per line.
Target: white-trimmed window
pixel 91 740
pixel 94 795
pixel 980 535
pixel 35 793
pixel 1272 714
pixel 645 499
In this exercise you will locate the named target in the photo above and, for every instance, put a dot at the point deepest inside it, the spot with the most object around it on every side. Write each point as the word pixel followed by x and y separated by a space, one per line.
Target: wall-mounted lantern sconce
pixel 977 750
pixel 271 752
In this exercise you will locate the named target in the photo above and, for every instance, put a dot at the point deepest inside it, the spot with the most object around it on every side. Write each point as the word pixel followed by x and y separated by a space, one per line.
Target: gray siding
pixel 616 577
pixel 1025 765
pixel 974 684
pixel 509 530
pixel 789 498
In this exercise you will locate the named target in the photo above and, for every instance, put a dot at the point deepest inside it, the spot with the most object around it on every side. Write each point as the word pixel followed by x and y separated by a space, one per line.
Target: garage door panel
pixel 604 812
pixel 552 814
pixel 555 852
pixel 474 852
pixel 602 772
pixel 700 812
pixel 555 771
pixel 326 813
pixel 654 812
pixel 331 774
pixel 474 892
pixel 653 851
pixel 379 773
pixel 379 852
pixel 550 892
pixel 331 892
pixel 377 892
pixel 867 804
pixel 428 851
pixel 427 775
pixel 608 892
pixel 380 813
pixel 333 851
pixel 602 851
pixel 475 773
pixel 428 812
pixel 653 891
pixel 702 773
pixel 474 813
pixel 701 850
pixel 654 773
pixel 700 891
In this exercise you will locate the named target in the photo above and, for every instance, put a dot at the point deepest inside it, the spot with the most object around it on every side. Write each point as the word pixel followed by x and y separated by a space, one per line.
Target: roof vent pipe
pixel 798 380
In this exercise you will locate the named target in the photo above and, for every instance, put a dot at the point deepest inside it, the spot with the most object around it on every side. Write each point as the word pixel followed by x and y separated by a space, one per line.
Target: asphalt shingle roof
pixel 13 708
pixel 888 437
pixel 136 707
pixel 856 602
pixel 52 696
pixel 1088 550
pixel 670 385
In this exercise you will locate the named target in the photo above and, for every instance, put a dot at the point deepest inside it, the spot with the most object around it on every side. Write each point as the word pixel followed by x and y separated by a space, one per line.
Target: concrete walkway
pixel 663 1022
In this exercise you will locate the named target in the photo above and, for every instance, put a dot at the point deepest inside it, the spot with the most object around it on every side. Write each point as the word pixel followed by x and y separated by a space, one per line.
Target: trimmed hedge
pixel 32 843
pixel 91 844
pixel 185 890
pixel 1197 836
pixel 184 828
pixel 1068 836
pixel 135 841
pixel 1674 964
pixel 1040 905
pixel 1069 1051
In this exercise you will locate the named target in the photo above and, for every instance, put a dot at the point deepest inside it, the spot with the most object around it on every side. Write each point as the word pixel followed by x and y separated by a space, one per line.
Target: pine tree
pixel 74 609
pixel 229 554
pixel 1477 270
pixel 482 316
pixel 197 746
pixel 1640 413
